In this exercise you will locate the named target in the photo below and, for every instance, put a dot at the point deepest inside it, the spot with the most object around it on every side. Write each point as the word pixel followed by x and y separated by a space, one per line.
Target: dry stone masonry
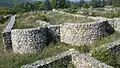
pixel 28 40
pixel 7 34
pixel 112 46
pixel 71 33
pixel 33 40
pixel 53 33
pixel 83 33
pixel 86 61
pixel 77 59
pixel 60 59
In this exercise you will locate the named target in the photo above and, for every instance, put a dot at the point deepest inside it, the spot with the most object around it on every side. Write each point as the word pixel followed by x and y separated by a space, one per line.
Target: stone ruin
pixel 33 40
pixel 79 60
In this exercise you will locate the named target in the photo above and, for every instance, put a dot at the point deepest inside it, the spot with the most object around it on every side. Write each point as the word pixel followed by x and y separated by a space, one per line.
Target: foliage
pixel 81 3
pixel 12 60
pixel 108 57
pixel 47 5
pixel 98 3
pixel 111 15
pixel 105 55
pixel 116 3
pixel 54 3
pixel 105 40
pixel 2 20
pixel 50 4
pixel 28 20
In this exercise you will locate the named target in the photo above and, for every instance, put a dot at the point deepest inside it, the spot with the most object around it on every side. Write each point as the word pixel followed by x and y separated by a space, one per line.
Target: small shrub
pixel 2 20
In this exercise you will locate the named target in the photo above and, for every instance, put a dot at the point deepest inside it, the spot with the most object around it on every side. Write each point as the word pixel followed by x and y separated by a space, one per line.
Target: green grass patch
pixel 107 57
pixel 28 20
pixel 12 60
pixel 96 12
pixel 106 40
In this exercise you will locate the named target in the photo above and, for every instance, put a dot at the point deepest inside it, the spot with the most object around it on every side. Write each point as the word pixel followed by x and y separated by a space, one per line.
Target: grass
pixel 101 12
pixel 12 60
pixel 2 26
pixel 107 57
pixel 28 20
pixel 63 18
pixel 25 21
pixel 106 40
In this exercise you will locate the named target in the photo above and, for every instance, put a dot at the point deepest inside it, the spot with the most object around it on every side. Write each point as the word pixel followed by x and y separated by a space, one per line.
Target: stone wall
pixel 115 23
pixel 112 46
pixel 84 33
pixel 63 60
pixel 28 40
pixel 86 61
pixel 34 39
pixel 58 61
pixel 53 34
pixel 7 34
pixel 7 41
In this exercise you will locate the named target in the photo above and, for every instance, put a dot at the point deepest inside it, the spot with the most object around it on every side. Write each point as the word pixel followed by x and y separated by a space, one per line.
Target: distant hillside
pixel 11 2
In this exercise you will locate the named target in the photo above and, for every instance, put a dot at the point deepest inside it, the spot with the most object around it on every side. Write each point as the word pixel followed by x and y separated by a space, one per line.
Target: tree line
pixel 57 4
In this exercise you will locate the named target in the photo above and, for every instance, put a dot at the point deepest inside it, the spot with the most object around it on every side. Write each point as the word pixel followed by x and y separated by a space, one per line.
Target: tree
pixel 61 3
pixel 81 3
pixel 54 3
pixel 103 3
pixel 98 3
pixel 95 3
pixel 38 5
pixel 47 5
pixel 92 3
pixel 85 5
pixel 116 3
pixel 109 2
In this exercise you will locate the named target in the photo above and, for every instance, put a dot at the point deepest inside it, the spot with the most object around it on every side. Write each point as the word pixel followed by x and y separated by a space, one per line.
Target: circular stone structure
pixel 28 40
pixel 83 33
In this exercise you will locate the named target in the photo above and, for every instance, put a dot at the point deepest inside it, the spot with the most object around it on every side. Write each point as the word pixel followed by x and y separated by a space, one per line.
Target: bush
pixel 111 15
pixel 2 20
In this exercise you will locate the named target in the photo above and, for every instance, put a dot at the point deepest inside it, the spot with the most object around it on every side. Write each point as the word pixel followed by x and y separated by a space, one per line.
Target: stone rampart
pixel 34 39
pixel 84 33
pixel 112 46
pixel 115 23
pixel 7 34
pixel 52 62
pixel 53 34
pixel 86 61
pixel 28 40
pixel 63 60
